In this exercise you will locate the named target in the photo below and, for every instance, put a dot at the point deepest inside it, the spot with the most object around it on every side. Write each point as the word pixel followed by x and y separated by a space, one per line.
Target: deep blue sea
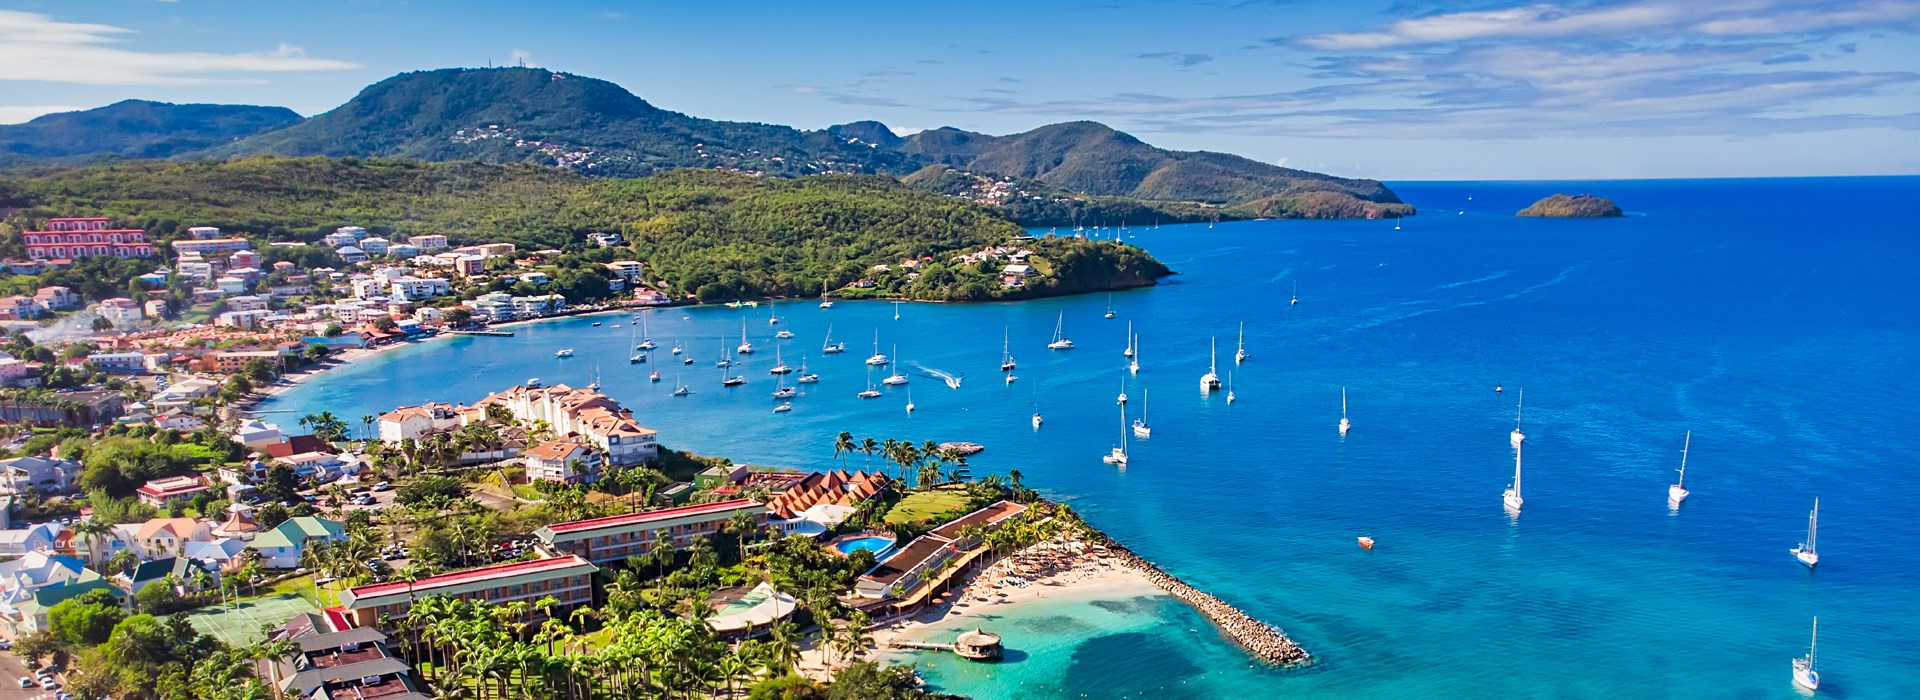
pixel 1777 319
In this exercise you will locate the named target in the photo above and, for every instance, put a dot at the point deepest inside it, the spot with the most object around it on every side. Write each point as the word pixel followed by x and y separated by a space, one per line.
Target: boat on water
pixel 1133 358
pixel 1677 491
pixel 779 367
pixel 533 382
pixel 594 384
pixel 686 360
pixel 1060 341
pixel 1230 388
pixel 596 324
pixel 746 346
pixel 646 343
pixel 724 360
pixel 805 376
pixel 1806 671
pixel 895 379
pixel 1123 393
pixel 1011 378
pixel 773 315
pixel 1118 455
pixel 783 334
pixel 1140 427
pixel 1516 437
pixel 1345 425
pixel 563 352
pixel 1240 353
pixel 653 376
pixel 896 311
pixel 1366 543
pixel 1006 351
pixel 877 359
pixel 1130 338
pixel 679 388
pixel 735 380
pixel 676 348
pixel 1036 421
pixel 1109 307
pixel 1511 497
pixel 783 408
pixel 637 358
pixel 1210 382
pixel 785 392
pixel 825 303
pixel 1807 552
pixel 909 400
pixel 1296 293
pixel 828 347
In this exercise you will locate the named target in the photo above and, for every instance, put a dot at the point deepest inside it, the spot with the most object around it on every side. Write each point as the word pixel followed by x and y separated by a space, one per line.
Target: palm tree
pixel 123 561
pixel 91 530
pixel 842 445
pixel 732 667
pixel 785 638
pixel 868 446
pixel 742 524
pixel 661 550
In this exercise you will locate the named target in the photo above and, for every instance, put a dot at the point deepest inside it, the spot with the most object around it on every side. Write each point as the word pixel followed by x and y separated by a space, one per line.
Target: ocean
pixel 1776 319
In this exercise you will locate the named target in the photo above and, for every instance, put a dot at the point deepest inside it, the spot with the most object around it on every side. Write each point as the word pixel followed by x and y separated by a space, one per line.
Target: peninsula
pixel 1578 206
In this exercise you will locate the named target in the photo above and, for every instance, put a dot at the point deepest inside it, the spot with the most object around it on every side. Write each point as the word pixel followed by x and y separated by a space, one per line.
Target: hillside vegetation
pixel 717 235
pixel 1579 206
pixel 139 129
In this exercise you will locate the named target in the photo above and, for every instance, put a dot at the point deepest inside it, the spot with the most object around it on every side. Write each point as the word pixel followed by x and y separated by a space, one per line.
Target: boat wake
pixel 952 380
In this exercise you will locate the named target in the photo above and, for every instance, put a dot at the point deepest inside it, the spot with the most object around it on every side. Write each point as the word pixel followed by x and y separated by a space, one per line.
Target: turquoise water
pixel 880 546
pixel 1776 319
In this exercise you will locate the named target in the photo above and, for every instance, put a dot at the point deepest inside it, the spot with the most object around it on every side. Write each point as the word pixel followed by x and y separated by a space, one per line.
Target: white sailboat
pixel 773 316
pixel 679 389
pixel 1229 388
pixel 646 342
pixel 1006 351
pixel 1806 671
pixel 896 311
pixel 1133 363
pixel 870 392
pixel 653 376
pixel 595 384
pixel 895 379
pixel 1140 427
pixel 563 353
pixel 778 367
pixel 746 346
pixel 1345 425
pixel 1511 498
pixel 676 348
pixel 1240 354
pixel 1123 392
pixel 1036 421
pixel 805 376
pixel 1677 492
pixel 909 400
pixel 877 360
pixel 1807 552
pixel 1210 382
pixel 1129 351
pixel 1516 437
pixel 1118 456
pixel 783 392
pixel 783 334
pixel 1296 293
pixel 1109 306
pixel 828 347
pixel 723 361
pixel 825 303
pixel 1060 341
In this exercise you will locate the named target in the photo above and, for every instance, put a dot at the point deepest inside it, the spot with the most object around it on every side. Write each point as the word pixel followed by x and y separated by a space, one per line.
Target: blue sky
pixel 1401 89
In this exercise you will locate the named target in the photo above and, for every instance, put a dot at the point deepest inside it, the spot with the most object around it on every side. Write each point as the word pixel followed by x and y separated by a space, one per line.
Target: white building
pixel 410 288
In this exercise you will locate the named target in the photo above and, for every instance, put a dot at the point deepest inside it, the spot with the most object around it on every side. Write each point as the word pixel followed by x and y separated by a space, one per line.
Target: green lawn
pixel 329 595
pixel 921 505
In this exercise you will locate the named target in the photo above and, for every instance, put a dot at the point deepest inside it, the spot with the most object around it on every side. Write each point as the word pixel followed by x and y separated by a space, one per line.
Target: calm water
pixel 1776 319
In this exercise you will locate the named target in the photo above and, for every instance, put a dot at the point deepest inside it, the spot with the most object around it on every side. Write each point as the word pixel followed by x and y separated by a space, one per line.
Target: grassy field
pixel 921 505
pixel 239 624
pixel 328 596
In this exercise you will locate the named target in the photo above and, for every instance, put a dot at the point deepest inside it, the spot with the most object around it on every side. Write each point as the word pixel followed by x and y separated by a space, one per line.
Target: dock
pixel 496 334
pixel 924 646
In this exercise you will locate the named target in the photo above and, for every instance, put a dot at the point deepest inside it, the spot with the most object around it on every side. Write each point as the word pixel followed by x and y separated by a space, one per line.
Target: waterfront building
pixel 614 538
pixel 821 500
pixel 901 573
pixel 82 237
pixel 586 413
pixel 407 288
pixel 566 577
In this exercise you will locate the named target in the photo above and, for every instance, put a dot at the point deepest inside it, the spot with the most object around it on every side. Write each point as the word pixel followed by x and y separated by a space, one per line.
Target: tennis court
pixel 239 624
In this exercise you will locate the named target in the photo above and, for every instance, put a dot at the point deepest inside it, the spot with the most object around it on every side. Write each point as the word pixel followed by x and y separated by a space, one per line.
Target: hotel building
pixel 567 578
pixel 614 538
pixel 85 237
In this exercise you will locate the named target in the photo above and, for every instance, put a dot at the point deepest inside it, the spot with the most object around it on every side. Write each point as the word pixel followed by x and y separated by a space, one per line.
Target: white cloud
pixel 15 114
pixel 1732 18
pixel 39 48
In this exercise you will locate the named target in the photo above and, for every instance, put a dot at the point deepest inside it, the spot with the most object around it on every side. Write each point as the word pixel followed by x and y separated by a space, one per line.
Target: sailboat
pixel 1140 427
pixel 1677 492
pixel 1517 437
pixel 1060 341
pixel 896 311
pixel 773 316
pixel 1123 392
pixel 1109 306
pixel 1296 293
pixel 563 353
pixel 1345 425
pixel 637 357
pixel 1512 497
pixel 646 343
pixel 1229 388
pixel 1806 672
pixel 1240 353
pixel 877 360
pixel 1806 552
pixel 909 401
pixel 782 392
pixel 595 384
pixel 896 378
pixel 825 303
pixel 783 334
pixel 723 361
pixel 1118 456
pixel 870 392
pixel 805 376
pixel 653 376
pixel 1129 351
pixel 676 348
pixel 828 347
pixel 746 346
pixel 1006 351
pixel 731 380
pixel 1210 381
pixel 679 389
pixel 779 367
pixel 1036 421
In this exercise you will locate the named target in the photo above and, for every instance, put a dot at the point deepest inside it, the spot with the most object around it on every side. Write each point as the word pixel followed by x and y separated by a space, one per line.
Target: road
pixel 12 668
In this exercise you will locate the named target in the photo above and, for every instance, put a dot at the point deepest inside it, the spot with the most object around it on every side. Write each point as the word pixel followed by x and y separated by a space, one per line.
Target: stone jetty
pixel 1264 641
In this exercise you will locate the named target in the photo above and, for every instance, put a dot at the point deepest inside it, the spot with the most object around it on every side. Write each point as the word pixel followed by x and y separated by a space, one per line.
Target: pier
pixel 1266 642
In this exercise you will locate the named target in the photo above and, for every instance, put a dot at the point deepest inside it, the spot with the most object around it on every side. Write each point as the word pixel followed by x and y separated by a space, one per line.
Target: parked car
pixel 382 486
pixel 26 682
pixel 48 684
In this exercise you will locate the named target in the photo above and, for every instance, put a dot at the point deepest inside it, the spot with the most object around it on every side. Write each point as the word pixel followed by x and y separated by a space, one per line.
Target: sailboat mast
pixel 1516 471
pixel 1813 645
pixel 1213 356
pixel 1343 403
pixel 1813 526
pixel 1518 407
pixel 1683 458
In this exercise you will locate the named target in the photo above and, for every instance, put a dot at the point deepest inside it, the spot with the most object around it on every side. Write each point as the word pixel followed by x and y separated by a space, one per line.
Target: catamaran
pixel 779 367
pixel 896 378
pixel 828 347
pixel 878 359
pixel 1806 552
pixel 783 334
pixel 1129 350
pixel 1006 351
pixel 825 303
pixel 1677 492
pixel 1240 353
pixel 1345 425
pixel 1140 427
pixel 1210 382
pixel 1060 341
pixel 1516 437
pixel 746 346
pixel 870 393
pixel 1512 497
pixel 1806 673
pixel 1118 456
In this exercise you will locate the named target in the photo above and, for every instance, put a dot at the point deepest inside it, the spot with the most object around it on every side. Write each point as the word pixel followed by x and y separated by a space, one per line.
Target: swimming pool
pixel 880 545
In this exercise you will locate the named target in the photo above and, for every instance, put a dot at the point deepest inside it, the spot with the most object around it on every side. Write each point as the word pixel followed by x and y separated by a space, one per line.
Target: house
pixel 243 259
pixel 44 537
pixel 603 240
pixel 20 307
pixel 162 493
pixel 178 420
pixel 79 409
pixel 536 277
pixel 375 245
pixel 221 554
pixel 428 242
pixel 494 305
pixel 121 311
pixel 14 371
pixel 586 413
pixel 119 362
pixel 341 664
pixel 56 298
pixel 182 572
pixel 628 269
pixel 413 422
pixel 282 546
pixel 203 232
pixel 402 250
pixel 614 538
pixel 256 434
pixel 564 461
pixel 68 238
pixel 408 288
pixel 246 303
pixel 41 474
pixel 253 318
pixel 155 309
pixel 567 578
pixel 352 254
pixel 32 584
pixel 345 235
pixel 165 537
pixel 229 284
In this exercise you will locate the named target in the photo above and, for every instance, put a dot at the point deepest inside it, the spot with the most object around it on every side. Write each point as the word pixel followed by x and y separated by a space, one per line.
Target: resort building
pixel 347 664
pixel 211 246
pixel 568 578
pixel 56 298
pixel 586 413
pixel 414 422
pixel 282 546
pixel 68 238
pixel 564 461
pixel 161 493
pixel 922 558
pixel 120 311
pixel 406 288
pixel 821 500
pixel 428 242
pixel 614 538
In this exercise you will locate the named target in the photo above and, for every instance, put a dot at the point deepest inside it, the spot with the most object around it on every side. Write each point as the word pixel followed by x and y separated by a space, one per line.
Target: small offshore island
pixel 1578 206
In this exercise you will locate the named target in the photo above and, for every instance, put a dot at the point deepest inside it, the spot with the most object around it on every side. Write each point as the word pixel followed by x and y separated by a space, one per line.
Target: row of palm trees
pixel 916 465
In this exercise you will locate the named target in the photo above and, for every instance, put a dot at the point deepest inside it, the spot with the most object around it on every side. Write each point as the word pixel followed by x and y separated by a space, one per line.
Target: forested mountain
pixel 716 235
pixel 139 129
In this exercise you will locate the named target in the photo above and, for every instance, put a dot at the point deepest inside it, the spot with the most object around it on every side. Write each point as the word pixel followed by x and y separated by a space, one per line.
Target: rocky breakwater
pixel 1264 641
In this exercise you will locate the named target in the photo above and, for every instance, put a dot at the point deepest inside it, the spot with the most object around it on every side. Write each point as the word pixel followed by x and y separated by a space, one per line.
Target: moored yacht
pixel 895 379
pixel 1006 351
pixel 1210 382
pixel 1806 672
pixel 878 359
pixel 1240 353
pixel 828 347
pixel 1060 341
pixel 1345 425
pixel 1118 456
pixel 779 367
pixel 1808 552
pixel 1516 437
pixel 1677 491
pixel 1511 497
pixel 563 352
pixel 746 346
pixel 1140 427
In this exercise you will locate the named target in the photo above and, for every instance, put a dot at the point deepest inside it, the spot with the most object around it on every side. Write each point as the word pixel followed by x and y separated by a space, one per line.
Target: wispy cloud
pixel 1184 60
pixel 37 47
pixel 1637 20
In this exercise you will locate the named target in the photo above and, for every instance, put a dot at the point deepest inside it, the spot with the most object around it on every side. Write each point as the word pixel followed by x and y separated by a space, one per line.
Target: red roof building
pixel 567 577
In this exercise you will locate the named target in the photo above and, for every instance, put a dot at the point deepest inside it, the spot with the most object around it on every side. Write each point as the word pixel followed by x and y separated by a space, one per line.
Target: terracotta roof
pixel 297 445
pixel 555 450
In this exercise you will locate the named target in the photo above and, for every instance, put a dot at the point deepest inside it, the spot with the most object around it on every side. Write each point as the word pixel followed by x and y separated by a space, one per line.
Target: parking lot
pixel 12 669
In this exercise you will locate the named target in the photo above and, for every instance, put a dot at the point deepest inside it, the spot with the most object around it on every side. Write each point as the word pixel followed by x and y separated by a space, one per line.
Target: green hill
pixel 716 235
pixel 139 129
pixel 1579 206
